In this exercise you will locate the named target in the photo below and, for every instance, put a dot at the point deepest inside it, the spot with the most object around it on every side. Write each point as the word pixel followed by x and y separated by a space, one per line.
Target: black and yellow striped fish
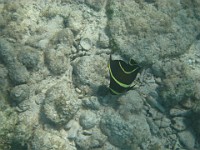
pixel 122 75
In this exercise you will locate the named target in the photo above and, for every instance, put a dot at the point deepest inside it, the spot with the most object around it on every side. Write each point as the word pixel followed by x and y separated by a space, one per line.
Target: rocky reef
pixel 54 74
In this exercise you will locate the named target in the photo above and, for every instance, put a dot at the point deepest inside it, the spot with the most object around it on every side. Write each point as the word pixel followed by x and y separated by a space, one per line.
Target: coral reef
pixel 19 93
pixel 131 103
pixel 54 77
pixel 29 57
pixel 95 4
pixel 17 72
pixel 154 32
pixel 4 79
pixel 8 123
pixel 178 83
pixel 93 76
pixel 96 140
pixel 123 133
pixel 45 140
pixel 60 104
pixel 56 62
pixel 88 120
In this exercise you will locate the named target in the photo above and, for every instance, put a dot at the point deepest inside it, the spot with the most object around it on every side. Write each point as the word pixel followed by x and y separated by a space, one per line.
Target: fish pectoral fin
pixel 135 84
pixel 131 87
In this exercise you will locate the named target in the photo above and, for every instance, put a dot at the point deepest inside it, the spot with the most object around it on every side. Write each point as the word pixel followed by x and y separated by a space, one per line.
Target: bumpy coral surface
pixel 54 77
pixel 61 103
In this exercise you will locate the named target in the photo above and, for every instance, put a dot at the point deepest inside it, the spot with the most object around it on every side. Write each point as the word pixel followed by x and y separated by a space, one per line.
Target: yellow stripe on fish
pixel 122 75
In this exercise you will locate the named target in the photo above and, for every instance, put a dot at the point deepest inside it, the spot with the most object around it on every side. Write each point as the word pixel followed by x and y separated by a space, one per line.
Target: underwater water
pixel 99 75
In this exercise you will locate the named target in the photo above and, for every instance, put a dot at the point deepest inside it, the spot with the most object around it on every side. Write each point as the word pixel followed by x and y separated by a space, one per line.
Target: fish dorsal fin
pixel 133 62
